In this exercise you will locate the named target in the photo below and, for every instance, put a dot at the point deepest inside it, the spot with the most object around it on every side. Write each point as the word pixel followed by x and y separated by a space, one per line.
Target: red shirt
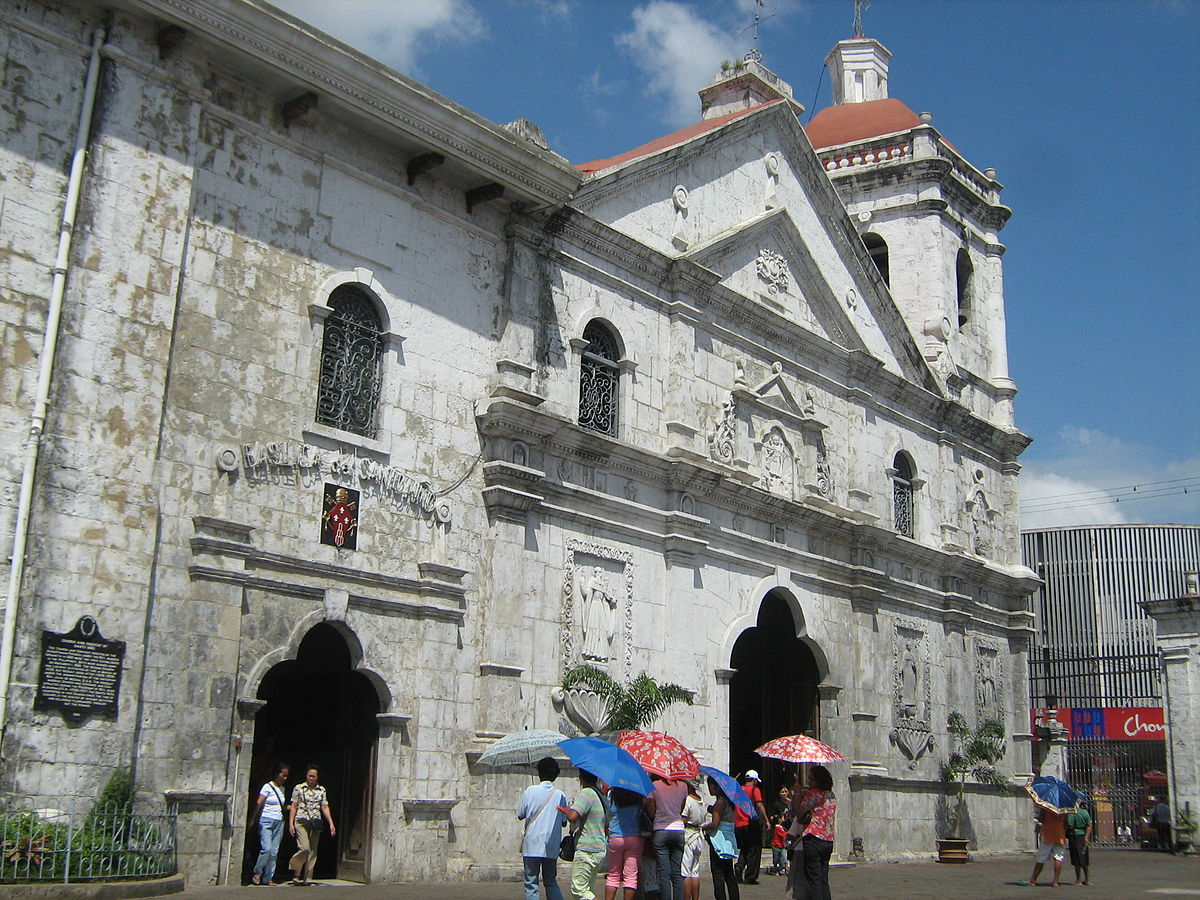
pixel 755 795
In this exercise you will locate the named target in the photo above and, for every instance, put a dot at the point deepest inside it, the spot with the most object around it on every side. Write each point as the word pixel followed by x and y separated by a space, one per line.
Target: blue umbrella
pixel 608 762
pixel 1053 793
pixel 737 796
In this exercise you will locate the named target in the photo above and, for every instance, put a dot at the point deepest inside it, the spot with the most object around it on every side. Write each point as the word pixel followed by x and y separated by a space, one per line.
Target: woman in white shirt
pixel 269 815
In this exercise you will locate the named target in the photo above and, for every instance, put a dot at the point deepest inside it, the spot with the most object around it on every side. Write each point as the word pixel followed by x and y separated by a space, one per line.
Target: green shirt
pixel 1078 822
pixel 589 805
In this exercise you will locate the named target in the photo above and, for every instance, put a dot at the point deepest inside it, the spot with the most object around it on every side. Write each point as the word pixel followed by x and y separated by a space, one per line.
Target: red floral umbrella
pixel 660 754
pixel 799 748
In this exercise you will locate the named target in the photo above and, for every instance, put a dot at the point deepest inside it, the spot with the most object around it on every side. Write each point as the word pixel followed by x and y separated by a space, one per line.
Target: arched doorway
pixel 773 692
pixel 321 712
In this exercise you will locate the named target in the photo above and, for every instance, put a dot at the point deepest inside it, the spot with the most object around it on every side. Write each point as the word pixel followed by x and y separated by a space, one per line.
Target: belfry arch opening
pixel 772 692
pixel 320 711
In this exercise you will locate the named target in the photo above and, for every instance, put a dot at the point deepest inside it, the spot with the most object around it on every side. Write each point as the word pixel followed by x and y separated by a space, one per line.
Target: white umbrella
pixel 522 748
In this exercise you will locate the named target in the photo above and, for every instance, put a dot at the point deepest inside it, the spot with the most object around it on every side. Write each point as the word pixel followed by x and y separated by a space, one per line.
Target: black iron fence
pixel 105 842
pixel 1121 779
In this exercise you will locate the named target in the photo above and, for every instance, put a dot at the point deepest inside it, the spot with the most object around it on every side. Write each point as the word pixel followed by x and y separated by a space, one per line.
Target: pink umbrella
pixel 799 748
pixel 660 754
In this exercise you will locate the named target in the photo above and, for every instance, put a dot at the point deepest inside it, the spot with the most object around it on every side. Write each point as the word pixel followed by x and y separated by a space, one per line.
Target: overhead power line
pixel 1122 498
pixel 1124 487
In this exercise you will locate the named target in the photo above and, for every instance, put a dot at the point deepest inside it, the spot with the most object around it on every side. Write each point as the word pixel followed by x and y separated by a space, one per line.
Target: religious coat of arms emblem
pixel 339 521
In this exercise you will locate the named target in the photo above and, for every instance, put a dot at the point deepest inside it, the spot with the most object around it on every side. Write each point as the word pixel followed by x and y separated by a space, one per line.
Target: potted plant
pixel 975 754
pixel 1185 829
pixel 629 706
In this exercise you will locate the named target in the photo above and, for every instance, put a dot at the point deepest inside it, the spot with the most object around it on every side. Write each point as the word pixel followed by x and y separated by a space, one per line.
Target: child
pixel 779 860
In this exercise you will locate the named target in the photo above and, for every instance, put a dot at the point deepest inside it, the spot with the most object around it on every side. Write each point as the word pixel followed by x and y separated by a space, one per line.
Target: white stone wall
pixel 210 237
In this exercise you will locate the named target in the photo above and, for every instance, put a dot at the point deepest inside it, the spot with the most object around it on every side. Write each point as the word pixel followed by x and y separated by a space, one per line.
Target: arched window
pixel 351 356
pixel 902 494
pixel 599 380
pixel 965 276
pixel 878 248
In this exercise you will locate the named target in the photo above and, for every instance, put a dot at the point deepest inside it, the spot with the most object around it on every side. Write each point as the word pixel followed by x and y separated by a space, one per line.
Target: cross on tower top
pixel 759 5
pixel 859 6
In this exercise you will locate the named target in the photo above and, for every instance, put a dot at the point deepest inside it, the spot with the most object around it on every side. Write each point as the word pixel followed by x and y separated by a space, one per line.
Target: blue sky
pixel 1086 109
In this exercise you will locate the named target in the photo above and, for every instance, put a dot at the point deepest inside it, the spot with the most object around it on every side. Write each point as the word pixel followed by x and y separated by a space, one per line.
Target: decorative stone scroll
pixel 912 729
pixel 597 608
pixel 721 438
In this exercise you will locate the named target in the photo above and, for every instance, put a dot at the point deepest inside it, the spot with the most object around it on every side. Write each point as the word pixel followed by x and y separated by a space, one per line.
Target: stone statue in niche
pixel 599 607
pixel 720 441
pixel 989 683
pixel 912 731
pixel 777 464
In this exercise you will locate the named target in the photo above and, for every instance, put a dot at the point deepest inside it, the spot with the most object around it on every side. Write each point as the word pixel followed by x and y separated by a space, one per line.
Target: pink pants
pixel 623 856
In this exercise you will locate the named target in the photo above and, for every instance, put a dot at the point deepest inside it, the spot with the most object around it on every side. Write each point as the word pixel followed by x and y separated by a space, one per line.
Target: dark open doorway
pixel 320 712
pixel 773 693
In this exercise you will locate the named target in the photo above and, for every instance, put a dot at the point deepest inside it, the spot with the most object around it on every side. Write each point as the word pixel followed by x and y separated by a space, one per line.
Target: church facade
pixel 347 422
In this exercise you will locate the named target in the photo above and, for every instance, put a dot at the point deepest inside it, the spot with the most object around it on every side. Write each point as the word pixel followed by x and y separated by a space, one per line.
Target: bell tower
pixel 930 221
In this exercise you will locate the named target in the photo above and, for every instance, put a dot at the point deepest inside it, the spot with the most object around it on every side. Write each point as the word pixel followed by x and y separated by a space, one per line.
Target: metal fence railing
pixel 102 842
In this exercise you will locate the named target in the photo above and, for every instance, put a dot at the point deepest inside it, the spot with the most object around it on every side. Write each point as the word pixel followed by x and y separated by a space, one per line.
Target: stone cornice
pixel 519 490
pixel 260 35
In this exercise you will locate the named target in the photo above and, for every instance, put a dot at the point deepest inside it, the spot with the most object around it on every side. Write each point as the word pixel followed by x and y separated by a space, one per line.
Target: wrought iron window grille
pixel 351 376
pixel 599 381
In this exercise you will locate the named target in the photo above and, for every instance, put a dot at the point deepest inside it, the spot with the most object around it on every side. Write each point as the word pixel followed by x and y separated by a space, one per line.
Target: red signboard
pixel 1135 724
pixel 1114 723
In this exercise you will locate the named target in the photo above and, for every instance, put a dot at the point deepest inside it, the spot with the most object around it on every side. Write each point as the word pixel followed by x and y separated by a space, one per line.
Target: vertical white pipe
pixel 41 404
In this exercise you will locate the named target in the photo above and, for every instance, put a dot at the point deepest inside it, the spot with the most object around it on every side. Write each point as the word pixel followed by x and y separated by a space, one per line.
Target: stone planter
pixel 952 850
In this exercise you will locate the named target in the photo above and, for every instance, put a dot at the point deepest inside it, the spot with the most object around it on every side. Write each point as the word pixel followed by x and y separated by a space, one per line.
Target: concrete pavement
pixel 1115 874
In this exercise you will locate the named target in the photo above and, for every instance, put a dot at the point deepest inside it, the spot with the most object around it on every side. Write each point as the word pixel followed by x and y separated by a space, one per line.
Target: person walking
pixel 1160 818
pixel 750 831
pixel 722 844
pixel 308 815
pixel 591 841
pixel 665 807
pixel 1052 840
pixel 815 808
pixel 625 843
pixel 694 817
pixel 268 813
pixel 538 808
pixel 1079 839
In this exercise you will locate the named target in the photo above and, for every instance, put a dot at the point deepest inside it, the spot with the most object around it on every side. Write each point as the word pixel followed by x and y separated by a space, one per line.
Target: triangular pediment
pixel 768 261
pixel 750 201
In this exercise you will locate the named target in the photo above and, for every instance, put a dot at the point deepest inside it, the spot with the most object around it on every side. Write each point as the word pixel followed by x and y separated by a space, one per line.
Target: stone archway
pixel 772 690
pixel 320 711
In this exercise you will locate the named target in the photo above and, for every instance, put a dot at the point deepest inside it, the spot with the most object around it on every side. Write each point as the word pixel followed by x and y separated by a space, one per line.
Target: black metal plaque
pixel 81 672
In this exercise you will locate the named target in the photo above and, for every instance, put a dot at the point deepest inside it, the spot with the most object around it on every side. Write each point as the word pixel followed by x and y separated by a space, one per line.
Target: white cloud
pixel 395 32
pixel 1088 476
pixel 679 52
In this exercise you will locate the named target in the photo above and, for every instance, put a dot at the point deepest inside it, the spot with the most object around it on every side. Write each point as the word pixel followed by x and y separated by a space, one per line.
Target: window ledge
pixel 316 433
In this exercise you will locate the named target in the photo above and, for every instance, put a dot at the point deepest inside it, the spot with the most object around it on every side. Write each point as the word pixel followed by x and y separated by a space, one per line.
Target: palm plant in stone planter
pixel 627 706
pixel 975 754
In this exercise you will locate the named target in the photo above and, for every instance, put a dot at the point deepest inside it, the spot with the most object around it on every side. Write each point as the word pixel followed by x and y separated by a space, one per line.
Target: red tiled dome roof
pixel 850 122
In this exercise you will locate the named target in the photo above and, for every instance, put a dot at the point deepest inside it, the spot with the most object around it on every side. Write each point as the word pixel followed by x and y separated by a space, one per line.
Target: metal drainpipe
pixel 37 423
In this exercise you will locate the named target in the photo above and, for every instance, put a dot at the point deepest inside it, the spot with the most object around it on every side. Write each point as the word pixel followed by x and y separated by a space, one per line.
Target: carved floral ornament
pixel 721 438
pixel 773 271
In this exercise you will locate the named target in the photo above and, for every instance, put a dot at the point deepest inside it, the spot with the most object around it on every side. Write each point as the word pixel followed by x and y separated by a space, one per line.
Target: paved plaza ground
pixel 1115 873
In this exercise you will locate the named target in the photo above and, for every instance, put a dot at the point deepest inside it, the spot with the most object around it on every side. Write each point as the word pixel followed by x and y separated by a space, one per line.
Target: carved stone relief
pixel 597 608
pixel 824 472
pixel 772 187
pixel 989 681
pixel 980 515
pixel 912 730
pixel 778 464
pixel 773 271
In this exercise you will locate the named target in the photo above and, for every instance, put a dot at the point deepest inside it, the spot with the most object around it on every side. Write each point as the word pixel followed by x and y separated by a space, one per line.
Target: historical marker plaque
pixel 81 672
